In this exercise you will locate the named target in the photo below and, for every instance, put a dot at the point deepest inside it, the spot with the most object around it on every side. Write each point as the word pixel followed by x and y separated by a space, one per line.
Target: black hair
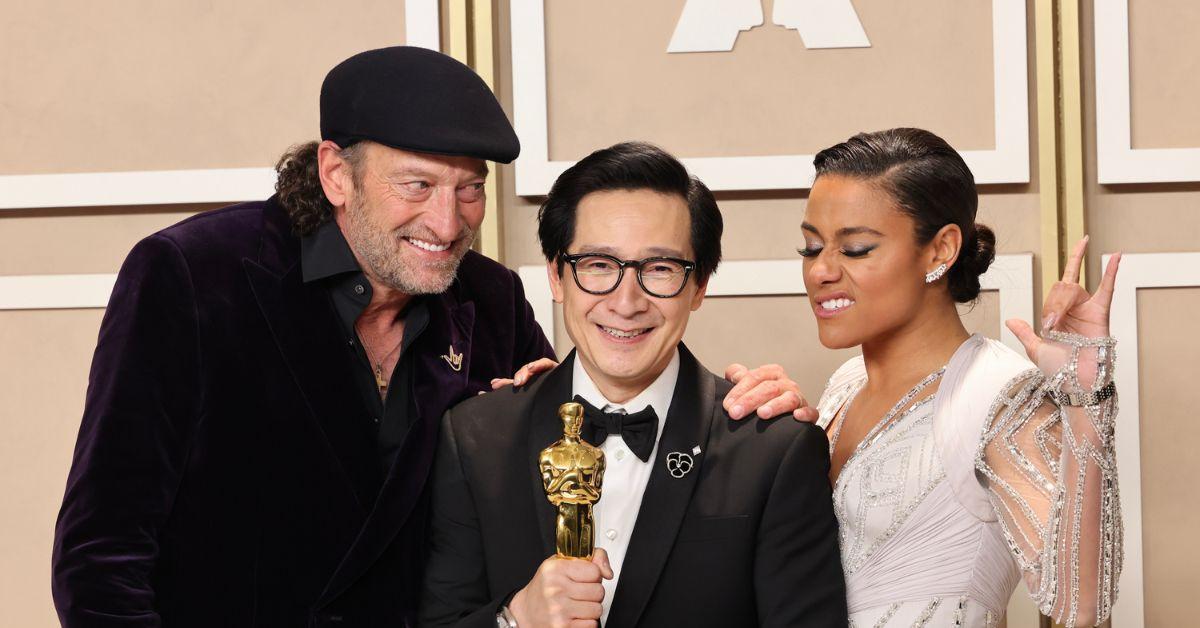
pixel 298 186
pixel 631 166
pixel 931 183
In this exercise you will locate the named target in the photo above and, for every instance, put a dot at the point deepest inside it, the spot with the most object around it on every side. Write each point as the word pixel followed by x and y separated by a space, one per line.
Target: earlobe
pixel 555 281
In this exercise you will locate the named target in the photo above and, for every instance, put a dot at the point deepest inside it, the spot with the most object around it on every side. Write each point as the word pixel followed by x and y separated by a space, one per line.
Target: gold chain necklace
pixel 380 382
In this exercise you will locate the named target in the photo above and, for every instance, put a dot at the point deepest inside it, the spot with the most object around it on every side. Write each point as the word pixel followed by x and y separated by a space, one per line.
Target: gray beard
pixel 377 249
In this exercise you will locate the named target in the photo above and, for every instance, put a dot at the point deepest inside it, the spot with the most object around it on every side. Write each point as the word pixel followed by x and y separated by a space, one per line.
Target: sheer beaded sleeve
pixel 1048 463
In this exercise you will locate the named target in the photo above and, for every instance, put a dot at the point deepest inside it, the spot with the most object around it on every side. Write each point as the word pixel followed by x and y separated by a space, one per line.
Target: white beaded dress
pixel 957 494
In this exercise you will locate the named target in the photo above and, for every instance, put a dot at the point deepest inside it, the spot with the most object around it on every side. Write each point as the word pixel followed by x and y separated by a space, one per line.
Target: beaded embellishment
pixel 1046 467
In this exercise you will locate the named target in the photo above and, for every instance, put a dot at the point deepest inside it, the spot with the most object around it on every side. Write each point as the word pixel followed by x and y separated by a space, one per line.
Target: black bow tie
pixel 638 430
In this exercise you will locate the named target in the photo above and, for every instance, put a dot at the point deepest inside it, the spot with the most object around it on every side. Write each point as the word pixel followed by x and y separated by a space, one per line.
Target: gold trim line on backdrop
pixel 1070 85
pixel 1045 40
pixel 1060 133
pixel 471 42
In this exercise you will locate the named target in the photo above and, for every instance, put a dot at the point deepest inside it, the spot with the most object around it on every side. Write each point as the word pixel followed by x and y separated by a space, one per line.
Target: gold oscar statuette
pixel 572 471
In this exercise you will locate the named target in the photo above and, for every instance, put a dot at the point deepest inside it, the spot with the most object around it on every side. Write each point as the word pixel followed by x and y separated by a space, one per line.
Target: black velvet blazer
pixel 746 538
pixel 225 473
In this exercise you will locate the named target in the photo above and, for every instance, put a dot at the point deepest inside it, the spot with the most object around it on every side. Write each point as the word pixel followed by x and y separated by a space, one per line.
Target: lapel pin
pixel 679 463
pixel 454 359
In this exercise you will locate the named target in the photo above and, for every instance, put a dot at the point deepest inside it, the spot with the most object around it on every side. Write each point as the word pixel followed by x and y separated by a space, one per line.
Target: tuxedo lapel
pixel 437 386
pixel 666 498
pixel 304 326
pixel 544 430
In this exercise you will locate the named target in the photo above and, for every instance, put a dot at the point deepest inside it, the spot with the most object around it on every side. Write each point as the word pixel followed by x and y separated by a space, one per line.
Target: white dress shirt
pixel 625 475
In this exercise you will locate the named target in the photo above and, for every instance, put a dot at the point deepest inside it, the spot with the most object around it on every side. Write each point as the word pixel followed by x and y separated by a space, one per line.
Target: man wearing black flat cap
pixel 263 404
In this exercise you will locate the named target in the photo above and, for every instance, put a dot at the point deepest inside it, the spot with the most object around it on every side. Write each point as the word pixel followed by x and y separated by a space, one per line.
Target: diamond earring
pixel 935 274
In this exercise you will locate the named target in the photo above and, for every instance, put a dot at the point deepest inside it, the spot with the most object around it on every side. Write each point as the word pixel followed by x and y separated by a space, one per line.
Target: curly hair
pixel 298 185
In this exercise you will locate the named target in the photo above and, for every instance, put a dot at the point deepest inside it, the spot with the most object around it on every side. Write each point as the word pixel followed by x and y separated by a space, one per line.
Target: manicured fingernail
pixel 1048 322
pixel 766 411
pixel 736 412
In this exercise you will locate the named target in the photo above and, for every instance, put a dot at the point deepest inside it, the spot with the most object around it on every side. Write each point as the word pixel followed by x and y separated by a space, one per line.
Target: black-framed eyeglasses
pixel 597 273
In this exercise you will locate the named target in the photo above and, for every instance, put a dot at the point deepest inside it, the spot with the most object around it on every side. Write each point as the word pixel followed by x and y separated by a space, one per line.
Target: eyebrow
pixel 661 251
pixel 654 251
pixel 844 231
pixel 411 171
pixel 428 174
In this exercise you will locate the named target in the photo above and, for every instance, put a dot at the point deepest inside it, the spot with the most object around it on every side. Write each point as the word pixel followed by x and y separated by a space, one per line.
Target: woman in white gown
pixel 959 466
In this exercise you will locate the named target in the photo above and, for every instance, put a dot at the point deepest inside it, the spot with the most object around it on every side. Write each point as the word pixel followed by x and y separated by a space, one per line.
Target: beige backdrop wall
pixel 127 86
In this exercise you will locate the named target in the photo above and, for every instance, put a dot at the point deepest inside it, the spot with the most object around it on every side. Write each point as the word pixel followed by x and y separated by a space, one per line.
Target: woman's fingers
pixel 787 401
pixel 1024 333
pixel 1071 272
pixel 1065 294
pixel 806 414
pixel 1104 294
pixel 1062 298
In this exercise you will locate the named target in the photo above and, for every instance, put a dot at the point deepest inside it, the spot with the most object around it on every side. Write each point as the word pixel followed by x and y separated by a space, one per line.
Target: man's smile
pixel 619 334
pixel 425 245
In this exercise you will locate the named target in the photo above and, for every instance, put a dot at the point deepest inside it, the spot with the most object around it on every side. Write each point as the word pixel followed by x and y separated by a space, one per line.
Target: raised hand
pixel 1070 309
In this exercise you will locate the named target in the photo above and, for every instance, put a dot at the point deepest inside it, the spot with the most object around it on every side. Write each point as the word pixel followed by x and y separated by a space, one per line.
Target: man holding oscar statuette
pixel 265 396
pixel 615 489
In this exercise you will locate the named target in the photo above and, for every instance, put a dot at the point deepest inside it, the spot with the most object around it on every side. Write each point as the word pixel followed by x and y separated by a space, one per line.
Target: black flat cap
pixel 415 99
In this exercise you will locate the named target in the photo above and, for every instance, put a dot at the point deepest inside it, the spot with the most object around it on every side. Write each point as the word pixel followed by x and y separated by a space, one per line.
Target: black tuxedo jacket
pixel 227 470
pixel 747 537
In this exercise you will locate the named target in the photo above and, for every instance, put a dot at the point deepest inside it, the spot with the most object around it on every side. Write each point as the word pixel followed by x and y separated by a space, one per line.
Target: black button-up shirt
pixel 326 259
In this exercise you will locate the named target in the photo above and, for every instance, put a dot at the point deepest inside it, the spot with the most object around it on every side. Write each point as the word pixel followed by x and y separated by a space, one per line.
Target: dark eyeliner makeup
pixel 858 252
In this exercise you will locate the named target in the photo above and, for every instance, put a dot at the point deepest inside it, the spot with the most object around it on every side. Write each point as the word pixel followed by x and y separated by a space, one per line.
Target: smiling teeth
pixel 617 333
pixel 428 246
pixel 836 304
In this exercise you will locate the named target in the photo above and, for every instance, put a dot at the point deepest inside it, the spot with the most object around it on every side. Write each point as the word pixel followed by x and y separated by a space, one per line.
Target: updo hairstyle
pixel 931 183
